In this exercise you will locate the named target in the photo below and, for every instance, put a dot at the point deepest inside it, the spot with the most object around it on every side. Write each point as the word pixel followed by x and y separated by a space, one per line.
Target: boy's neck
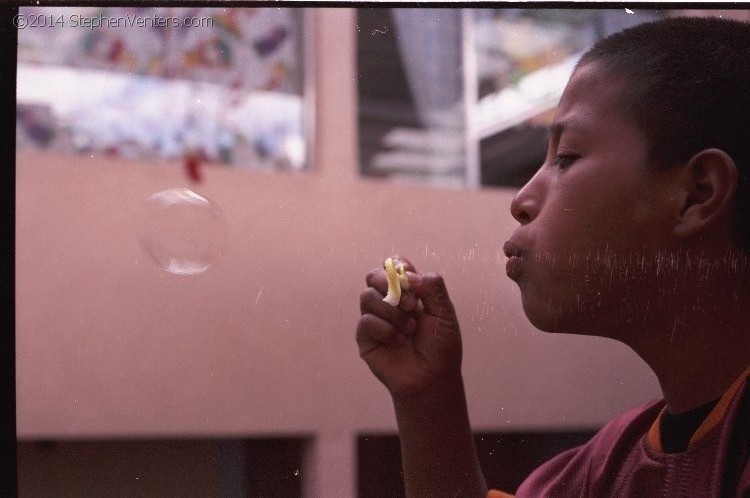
pixel 700 355
pixel 686 391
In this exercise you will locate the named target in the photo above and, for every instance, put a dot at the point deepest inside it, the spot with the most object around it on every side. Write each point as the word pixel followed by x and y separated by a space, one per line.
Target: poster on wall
pixel 160 82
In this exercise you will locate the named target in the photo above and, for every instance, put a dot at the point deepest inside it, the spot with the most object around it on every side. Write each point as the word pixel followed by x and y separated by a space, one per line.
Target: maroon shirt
pixel 625 458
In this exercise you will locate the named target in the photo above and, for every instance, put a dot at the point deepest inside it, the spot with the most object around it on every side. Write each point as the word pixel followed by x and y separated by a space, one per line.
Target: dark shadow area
pixel 506 459
pixel 201 468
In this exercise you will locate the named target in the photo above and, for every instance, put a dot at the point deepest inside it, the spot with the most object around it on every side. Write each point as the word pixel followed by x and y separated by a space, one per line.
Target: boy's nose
pixel 528 201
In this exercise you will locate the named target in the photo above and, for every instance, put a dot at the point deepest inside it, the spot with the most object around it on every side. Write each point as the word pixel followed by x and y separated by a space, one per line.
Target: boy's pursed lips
pixel 514 253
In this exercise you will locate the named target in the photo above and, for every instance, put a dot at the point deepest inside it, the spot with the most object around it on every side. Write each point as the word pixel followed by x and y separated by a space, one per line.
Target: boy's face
pixel 593 217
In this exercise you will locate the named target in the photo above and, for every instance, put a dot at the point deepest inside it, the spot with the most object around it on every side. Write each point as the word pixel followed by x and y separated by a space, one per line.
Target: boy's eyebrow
pixel 556 128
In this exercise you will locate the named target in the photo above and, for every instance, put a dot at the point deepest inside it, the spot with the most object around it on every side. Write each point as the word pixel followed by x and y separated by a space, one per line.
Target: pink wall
pixel 108 345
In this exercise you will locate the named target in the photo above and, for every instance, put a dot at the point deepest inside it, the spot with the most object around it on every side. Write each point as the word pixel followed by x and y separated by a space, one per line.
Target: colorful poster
pixel 227 83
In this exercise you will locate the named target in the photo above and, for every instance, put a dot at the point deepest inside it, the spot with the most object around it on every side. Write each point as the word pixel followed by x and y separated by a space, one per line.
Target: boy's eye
pixel 563 162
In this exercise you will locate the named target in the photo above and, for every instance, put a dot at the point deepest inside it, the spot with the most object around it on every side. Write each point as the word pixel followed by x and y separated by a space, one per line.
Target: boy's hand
pixel 415 345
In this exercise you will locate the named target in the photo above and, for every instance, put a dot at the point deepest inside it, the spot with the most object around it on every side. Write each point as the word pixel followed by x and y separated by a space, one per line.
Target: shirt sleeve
pixel 563 471
pixel 563 475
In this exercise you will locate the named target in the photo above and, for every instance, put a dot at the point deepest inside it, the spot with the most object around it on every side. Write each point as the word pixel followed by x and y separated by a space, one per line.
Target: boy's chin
pixel 544 321
pixel 559 322
pixel 544 324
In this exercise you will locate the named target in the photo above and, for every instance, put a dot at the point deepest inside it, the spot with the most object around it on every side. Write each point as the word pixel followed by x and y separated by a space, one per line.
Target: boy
pixel 637 228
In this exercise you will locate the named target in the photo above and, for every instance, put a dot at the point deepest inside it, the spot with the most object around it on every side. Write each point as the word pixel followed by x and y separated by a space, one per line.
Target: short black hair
pixel 688 89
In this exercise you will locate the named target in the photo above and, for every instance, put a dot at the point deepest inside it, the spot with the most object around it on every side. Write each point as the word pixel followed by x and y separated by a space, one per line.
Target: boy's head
pixel 688 89
pixel 645 185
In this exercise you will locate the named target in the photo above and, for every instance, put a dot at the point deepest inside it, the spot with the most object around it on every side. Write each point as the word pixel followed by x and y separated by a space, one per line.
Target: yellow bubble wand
pixel 397 281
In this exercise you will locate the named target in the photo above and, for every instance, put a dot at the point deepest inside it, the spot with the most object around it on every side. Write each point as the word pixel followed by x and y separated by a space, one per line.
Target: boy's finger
pixel 371 329
pixel 431 289
pixel 377 275
pixel 408 302
pixel 371 302
pixel 399 260
pixel 377 279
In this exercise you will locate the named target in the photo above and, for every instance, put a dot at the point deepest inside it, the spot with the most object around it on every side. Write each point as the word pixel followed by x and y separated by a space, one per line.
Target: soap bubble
pixel 183 232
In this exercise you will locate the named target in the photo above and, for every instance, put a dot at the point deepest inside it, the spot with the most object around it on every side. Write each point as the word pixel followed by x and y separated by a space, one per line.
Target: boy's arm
pixel 437 446
pixel 414 348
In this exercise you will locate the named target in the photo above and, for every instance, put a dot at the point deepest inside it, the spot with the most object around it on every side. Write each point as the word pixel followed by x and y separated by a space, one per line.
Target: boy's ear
pixel 710 185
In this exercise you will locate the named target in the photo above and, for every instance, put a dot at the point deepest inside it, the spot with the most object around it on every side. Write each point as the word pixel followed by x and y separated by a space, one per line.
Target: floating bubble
pixel 183 232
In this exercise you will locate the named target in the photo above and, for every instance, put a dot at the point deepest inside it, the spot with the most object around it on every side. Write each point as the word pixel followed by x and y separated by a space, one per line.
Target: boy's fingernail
pixel 414 279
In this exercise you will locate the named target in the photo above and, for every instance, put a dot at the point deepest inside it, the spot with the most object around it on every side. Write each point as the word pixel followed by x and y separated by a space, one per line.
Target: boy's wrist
pixel 437 447
pixel 440 394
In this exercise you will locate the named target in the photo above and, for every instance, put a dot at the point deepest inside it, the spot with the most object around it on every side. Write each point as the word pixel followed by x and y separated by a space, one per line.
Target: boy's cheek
pixel 576 270
pixel 562 305
pixel 546 310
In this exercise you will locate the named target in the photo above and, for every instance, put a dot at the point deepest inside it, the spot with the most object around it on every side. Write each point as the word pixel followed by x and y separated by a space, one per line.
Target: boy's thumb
pixel 430 288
